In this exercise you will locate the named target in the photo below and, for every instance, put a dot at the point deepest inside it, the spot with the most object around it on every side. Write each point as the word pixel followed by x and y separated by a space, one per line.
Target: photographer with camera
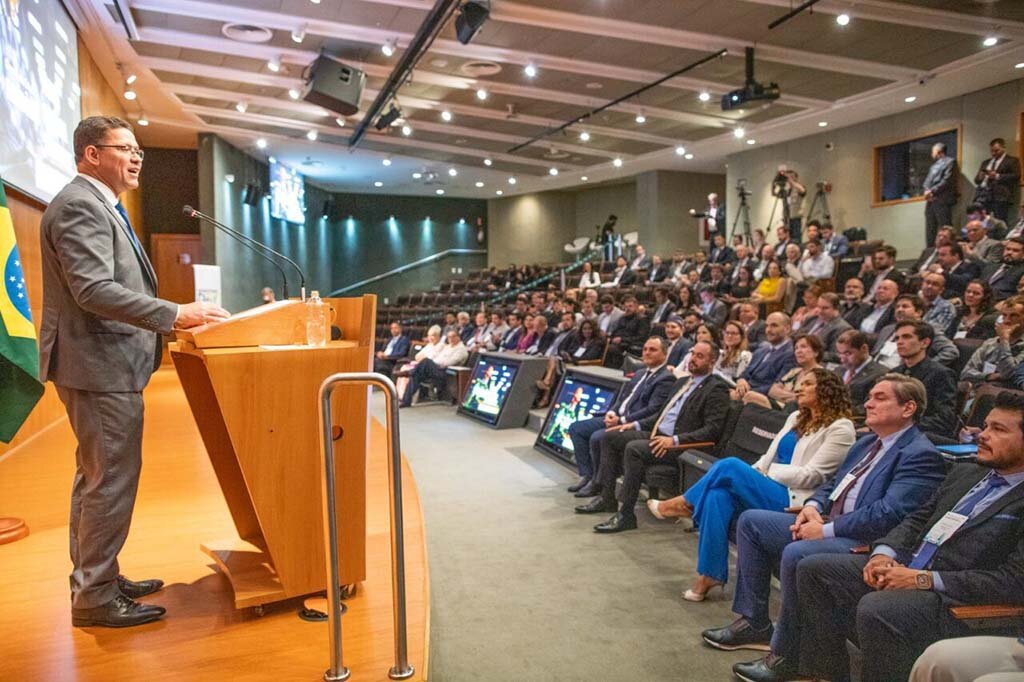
pixel 786 187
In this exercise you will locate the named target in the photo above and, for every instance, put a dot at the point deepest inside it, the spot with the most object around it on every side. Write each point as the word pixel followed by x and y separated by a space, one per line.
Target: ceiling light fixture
pixel 129 94
pixel 688 156
pixel 990 41
pixel 378 183
pixel 311 136
pixel 340 121
pixel 446 116
pixel 584 178
pixel 261 143
pixel 386 161
pixel 843 19
pixel 274 64
pixel 822 124
pixel 299 34
pixel 241 107
pixel 498 192
pixel 910 99
pixel 143 121
pixel 584 136
pixel 640 118
pixel 512 180
pixel 488 162
pixel 530 70
pixel 751 141
pixel 407 130
pixel 1019 65
pixel 481 94
pixel 417 176
pixel 438 192
pixel 617 162
pixel 680 150
pixel 452 172
pixel 131 79
pixel 552 171
pixel 704 96
pixel 388 48
pixel 739 133
pixel 479 183
pixel 293 93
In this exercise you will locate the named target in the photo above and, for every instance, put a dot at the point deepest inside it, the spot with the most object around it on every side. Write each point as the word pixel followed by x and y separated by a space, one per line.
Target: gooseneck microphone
pixel 257 247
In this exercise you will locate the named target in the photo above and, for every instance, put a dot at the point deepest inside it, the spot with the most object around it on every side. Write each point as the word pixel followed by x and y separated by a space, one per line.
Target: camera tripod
pixel 822 193
pixel 781 194
pixel 744 213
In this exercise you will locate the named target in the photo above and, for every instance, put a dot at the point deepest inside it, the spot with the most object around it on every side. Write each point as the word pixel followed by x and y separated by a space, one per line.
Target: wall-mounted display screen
pixel 488 388
pixel 287 194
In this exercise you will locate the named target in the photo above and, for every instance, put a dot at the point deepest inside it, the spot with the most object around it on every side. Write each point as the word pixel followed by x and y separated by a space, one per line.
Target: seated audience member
pixel 856 368
pixel 753 327
pixel 701 267
pixel 707 333
pixel 979 247
pixel 464 327
pixel 771 360
pixel 587 310
pixel 971 659
pixel 694 413
pixel 434 344
pixel 481 333
pixel 957 271
pixel 745 258
pixel 994 227
pixel 610 314
pixel 644 395
pixel 851 305
pixel 628 334
pixel 886 476
pixel 711 309
pixel 805 453
pixel 680 266
pixel 563 340
pixel 791 263
pixel 742 285
pixel 772 287
pixel 685 300
pixel 734 357
pixel 622 276
pixel 529 335
pixel 720 252
pixel 975 317
pixel 641 261
pixel 543 337
pixel 589 279
pixel 813 230
pixel 1004 280
pixel 718 283
pixel 963 546
pixel 396 348
pixel 494 280
pixel 663 306
pixel 808 352
pixel 691 320
pixel 513 335
pixel 767 256
pixel 586 344
pixel 757 240
pixel 998 357
pixel 827 324
pixel 835 245
pixel 908 309
pixel 432 369
pixel 930 255
pixel 881 313
pixel 678 345
pixel 938 312
pixel 451 323
pixel 658 272
pixel 881 267
pixel 809 307
pixel 913 337
pixel 782 242
pixel 816 263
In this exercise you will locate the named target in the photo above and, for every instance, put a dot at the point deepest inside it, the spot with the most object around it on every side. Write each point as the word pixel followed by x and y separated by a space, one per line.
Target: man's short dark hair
pixel 606 299
pixel 629 299
pixel 93 130
pixel 954 248
pixel 833 299
pixel 914 299
pixel 815 222
pixel 816 242
pixel 662 342
pixel 854 338
pixel 1015 240
pixel 976 208
pixel 922 330
pixel 997 140
pixel 888 250
pixel 715 350
pixel 1012 402
pixel 827 226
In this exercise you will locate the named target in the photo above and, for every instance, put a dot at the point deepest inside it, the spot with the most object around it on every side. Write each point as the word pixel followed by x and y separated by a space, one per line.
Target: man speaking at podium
pixel 99 343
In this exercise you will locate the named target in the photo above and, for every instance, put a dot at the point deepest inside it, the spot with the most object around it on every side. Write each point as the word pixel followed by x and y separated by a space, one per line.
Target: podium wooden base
pixel 12 529
pixel 249 570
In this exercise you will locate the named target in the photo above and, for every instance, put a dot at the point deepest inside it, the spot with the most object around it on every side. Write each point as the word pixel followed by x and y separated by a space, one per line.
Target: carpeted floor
pixel 522 589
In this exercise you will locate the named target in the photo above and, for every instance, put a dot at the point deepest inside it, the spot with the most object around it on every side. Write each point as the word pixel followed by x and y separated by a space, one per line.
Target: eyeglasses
pixel 134 151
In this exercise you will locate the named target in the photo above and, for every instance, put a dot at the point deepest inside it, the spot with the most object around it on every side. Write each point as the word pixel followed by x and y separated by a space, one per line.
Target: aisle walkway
pixel 522 589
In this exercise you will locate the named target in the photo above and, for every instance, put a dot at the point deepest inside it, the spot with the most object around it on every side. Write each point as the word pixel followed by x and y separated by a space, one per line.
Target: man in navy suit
pixel 964 546
pixel 643 396
pixel 771 360
pixel 396 349
pixel 835 245
pixel 888 474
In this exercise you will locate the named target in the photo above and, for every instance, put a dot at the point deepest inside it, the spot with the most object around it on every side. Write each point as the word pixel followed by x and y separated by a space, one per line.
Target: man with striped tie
pixel 964 546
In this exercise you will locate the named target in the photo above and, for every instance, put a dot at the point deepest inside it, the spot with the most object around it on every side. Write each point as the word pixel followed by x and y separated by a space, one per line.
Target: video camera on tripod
pixel 741 188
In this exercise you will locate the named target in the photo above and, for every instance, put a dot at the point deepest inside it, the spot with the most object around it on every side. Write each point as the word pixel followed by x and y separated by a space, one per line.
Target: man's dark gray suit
pixel 99 344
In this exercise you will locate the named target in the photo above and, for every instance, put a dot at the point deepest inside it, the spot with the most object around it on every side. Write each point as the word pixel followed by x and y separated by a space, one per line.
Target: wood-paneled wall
pixel 98 98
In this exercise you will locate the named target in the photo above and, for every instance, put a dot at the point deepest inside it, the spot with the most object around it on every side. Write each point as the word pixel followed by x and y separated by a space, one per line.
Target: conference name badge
pixel 847 481
pixel 944 529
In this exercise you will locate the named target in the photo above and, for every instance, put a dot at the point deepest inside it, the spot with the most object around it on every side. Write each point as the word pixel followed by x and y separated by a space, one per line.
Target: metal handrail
pixel 338 672
pixel 408 266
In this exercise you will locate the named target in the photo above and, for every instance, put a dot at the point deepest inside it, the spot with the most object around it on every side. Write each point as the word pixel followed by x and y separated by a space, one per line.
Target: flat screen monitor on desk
pixel 580 396
pixel 488 390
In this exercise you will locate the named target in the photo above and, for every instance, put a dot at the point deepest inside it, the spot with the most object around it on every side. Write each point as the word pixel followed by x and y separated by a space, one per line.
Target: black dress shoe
pixel 589 490
pixel 616 524
pixel 578 485
pixel 135 590
pixel 739 634
pixel 771 668
pixel 597 506
pixel 119 612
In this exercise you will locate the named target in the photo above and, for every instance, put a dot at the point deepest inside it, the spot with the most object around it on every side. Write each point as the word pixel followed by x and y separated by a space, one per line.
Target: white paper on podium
pixel 207 283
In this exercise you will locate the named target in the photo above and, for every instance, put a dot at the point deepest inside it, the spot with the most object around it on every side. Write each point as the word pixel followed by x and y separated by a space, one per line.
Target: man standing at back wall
pixel 99 344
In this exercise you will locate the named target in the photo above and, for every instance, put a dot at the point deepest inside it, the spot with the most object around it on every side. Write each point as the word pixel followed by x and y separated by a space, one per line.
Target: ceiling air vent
pixel 479 68
pixel 247 33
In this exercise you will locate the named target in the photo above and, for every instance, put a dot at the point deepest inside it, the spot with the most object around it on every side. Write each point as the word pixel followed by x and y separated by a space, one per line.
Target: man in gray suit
pixel 99 344
pixel 940 191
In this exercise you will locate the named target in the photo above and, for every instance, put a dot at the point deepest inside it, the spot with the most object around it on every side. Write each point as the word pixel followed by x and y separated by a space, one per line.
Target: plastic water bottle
pixel 316 320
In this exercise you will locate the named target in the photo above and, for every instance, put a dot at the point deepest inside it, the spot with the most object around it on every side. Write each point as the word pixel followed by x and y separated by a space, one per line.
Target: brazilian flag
pixel 20 389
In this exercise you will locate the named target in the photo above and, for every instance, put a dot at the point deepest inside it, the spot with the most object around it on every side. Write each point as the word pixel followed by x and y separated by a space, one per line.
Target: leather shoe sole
pixel 752 646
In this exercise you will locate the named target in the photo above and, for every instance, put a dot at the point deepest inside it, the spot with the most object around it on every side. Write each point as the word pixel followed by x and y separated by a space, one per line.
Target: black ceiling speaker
pixel 334 86
pixel 471 19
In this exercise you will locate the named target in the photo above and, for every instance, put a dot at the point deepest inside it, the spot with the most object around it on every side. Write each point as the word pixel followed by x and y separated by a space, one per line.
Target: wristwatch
pixel 924 580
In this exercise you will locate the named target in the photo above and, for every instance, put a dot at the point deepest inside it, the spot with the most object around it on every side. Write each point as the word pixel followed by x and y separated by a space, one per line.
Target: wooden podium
pixel 252 385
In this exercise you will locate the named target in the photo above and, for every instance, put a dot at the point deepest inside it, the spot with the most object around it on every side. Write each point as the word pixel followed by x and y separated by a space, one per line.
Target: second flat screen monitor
pixel 580 396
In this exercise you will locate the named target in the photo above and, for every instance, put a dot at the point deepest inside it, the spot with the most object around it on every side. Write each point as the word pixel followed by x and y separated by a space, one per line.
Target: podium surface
pixel 254 396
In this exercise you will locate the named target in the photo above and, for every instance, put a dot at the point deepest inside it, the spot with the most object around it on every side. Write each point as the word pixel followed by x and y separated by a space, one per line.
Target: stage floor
pixel 180 506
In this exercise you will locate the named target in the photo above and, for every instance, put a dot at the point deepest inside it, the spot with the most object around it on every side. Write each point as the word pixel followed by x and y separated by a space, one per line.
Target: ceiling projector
pixel 752 91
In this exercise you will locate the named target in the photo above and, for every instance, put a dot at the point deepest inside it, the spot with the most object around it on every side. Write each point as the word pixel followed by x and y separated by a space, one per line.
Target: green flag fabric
pixel 20 388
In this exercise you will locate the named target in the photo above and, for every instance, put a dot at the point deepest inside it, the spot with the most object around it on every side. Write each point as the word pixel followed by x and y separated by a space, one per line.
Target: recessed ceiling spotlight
pixel 688 156
pixel 311 136
pixel 129 94
pixel 617 162
pixel 512 180
pixel 910 99
pixel 479 183
pixel 822 124
pixel 315 2
pixel 229 178
pixel 417 175
pixel 751 141
pixel 739 133
pixel 261 143
pixel 378 183
pixel 584 136
pixel 530 70
pixel 704 96
pixel 274 64
pixel 1019 65
pixel 594 85
pixel 552 171
pixel 452 172
pixel 843 19
pixel 293 93
pixel 299 34
pixel 438 192
pixel 446 116
pixel 407 130
pixel 241 107
pixel 498 192
pixel 584 178
pixel 488 162
pixel 640 118
pixel 680 150
pixel 131 79
pixel 388 48
pixel 990 41
pixel 481 94
pixel 386 161
pixel 143 121
pixel 340 121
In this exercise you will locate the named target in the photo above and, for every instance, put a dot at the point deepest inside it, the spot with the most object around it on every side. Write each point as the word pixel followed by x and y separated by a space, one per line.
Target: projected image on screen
pixel 39 96
pixel 576 400
pixel 287 194
pixel 488 388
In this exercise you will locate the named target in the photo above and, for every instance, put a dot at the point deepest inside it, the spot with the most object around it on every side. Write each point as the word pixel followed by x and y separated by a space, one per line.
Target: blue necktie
pixel 135 240
pixel 926 551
